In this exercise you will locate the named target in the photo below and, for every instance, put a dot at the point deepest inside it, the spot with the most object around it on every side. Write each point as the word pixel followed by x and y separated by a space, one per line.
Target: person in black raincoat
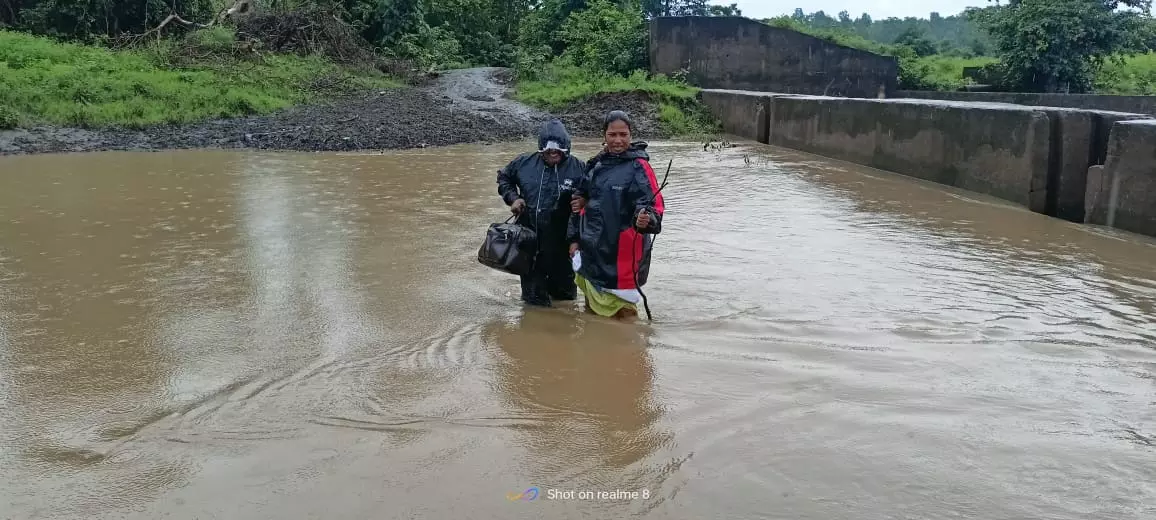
pixel 621 209
pixel 538 187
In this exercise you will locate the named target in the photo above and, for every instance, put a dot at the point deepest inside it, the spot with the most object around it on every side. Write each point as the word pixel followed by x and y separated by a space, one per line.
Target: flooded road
pixel 242 335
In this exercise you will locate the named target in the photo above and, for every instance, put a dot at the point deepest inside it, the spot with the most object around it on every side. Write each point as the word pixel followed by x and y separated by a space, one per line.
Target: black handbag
pixel 509 247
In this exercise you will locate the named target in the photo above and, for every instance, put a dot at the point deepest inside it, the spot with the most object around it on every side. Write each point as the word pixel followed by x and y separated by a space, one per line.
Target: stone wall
pixel 730 52
pixel 1038 157
pixel 1133 104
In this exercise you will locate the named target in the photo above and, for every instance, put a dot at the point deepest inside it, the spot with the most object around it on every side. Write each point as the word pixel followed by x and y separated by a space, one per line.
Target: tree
pixel 916 39
pixel 1059 45
pixel 607 37
pixel 654 8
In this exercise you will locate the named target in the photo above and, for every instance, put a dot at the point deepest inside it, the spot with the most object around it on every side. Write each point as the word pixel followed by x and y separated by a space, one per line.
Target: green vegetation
pixel 127 67
pixel 1135 75
pixel 922 65
pixel 602 50
pixel 61 63
pixel 84 86
pixel 559 85
pixel 1024 45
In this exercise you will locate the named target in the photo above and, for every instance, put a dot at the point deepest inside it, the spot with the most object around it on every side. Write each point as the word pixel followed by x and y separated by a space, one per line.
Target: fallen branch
pixel 129 41
pixel 239 7
pixel 178 19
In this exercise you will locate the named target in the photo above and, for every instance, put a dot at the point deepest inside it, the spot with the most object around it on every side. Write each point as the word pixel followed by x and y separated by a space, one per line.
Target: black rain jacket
pixel 546 189
pixel 617 187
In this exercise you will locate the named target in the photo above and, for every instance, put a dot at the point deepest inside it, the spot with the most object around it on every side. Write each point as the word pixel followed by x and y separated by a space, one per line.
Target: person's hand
pixel 573 249
pixel 577 202
pixel 517 206
pixel 643 220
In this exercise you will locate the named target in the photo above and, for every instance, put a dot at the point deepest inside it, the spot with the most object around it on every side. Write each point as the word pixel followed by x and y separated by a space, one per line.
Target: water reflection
pixel 591 381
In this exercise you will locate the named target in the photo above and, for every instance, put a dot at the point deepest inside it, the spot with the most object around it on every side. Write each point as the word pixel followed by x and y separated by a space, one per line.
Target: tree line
pixel 1041 45
pixel 953 35
pixel 609 34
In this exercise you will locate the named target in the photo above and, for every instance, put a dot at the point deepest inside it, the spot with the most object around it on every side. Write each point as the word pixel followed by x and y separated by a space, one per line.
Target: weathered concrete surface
pixel 999 150
pixel 1079 141
pixel 743 113
pixel 730 52
pixel 1035 156
pixel 1122 193
pixel 1131 104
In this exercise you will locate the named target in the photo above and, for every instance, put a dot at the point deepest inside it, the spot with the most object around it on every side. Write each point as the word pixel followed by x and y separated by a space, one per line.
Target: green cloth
pixel 602 303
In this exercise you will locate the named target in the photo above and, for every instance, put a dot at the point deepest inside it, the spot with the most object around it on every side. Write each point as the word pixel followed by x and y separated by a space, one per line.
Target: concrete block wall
pixel 1043 158
pixel 1122 192
pixel 731 52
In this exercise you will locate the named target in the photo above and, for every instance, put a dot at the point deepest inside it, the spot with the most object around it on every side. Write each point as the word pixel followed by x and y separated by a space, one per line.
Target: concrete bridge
pixel 1087 164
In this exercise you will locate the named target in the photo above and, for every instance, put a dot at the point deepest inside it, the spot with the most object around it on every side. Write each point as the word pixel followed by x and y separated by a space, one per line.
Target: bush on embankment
pixel 602 66
pixel 202 76
pixel 565 88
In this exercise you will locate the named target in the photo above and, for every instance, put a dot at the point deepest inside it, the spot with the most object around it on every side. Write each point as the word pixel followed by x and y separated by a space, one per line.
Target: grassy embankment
pixel 199 78
pixel 679 112
pixel 1136 75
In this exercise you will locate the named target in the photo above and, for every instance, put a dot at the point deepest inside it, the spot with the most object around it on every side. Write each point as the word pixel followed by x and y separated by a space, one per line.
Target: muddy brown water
pixel 220 334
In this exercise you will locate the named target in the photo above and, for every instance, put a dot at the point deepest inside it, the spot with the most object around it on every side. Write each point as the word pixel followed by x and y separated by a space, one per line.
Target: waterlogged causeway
pixel 237 335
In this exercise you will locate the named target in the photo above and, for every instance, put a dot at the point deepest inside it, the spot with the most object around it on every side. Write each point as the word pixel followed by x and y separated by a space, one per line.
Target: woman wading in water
pixel 619 208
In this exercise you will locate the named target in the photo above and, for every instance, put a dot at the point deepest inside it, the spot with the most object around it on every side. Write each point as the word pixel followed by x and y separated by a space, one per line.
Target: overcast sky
pixel 878 9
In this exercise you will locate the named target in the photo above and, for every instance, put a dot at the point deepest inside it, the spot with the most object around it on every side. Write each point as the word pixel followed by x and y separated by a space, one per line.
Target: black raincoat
pixel 617 187
pixel 546 191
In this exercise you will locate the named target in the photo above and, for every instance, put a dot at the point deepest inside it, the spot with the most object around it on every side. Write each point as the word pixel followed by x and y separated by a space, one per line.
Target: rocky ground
pixel 461 106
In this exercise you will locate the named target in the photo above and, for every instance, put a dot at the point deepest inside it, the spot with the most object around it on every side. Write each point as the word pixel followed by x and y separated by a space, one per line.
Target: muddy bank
pixel 461 106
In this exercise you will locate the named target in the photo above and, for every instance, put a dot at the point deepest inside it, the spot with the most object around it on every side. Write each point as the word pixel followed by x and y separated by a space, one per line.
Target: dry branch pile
pixel 307 32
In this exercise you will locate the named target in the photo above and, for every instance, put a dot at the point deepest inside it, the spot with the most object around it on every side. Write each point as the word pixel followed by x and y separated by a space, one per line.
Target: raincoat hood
pixel 553 130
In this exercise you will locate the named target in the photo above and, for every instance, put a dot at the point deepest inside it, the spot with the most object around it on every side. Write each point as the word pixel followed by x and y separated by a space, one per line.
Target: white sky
pixel 878 9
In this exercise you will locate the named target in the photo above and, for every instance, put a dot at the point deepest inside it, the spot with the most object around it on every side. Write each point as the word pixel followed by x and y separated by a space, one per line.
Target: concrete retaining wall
pixel 1132 104
pixel 741 112
pixel 731 52
pixel 1000 151
pixel 1122 192
pixel 1038 157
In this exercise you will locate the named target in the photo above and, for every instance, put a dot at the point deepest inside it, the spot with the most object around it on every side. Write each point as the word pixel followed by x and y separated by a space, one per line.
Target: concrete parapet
pixel 1079 140
pixel 742 112
pixel 998 150
pixel 1129 104
pixel 1035 156
pixel 1122 192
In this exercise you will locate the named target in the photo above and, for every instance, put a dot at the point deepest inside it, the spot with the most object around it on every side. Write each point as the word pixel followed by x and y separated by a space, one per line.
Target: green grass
pixel 1135 77
pixel 44 81
pixel 679 112
pixel 560 86
pixel 944 72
